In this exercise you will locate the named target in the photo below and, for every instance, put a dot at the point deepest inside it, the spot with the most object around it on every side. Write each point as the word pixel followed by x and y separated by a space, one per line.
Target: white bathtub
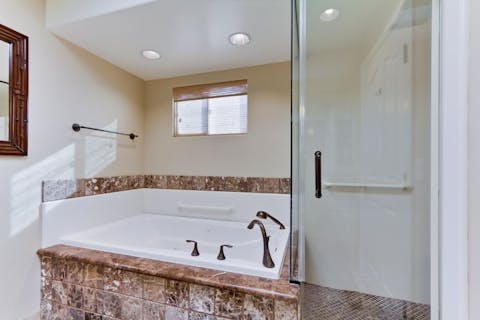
pixel 164 238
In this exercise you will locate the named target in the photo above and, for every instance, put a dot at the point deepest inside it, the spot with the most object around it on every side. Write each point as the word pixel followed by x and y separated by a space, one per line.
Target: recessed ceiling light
pixel 239 39
pixel 329 15
pixel 150 54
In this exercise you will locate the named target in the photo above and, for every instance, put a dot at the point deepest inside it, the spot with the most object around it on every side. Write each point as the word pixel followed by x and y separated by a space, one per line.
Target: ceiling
pixel 190 35
pixel 357 28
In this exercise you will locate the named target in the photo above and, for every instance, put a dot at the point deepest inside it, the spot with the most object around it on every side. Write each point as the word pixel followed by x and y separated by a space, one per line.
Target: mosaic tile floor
pixel 320 303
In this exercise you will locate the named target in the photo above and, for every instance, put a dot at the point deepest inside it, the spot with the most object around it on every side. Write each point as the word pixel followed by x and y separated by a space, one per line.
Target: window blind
pixel 211 90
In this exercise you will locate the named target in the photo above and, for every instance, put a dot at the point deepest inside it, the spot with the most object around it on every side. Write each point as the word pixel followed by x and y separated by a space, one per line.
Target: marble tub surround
pixel 73 188
pixel 276 289
pixel 214 183
pixel 87 284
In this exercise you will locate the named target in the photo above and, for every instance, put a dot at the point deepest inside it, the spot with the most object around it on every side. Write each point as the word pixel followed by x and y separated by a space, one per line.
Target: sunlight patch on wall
pixel 26 186
pixel 100 150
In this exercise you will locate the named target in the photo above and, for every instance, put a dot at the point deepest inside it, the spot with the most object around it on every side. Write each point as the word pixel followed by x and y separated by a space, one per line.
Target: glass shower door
pixel 361 173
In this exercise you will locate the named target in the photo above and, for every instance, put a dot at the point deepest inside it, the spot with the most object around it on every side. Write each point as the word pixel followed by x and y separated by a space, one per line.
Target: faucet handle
pixel 195 248
pixel 221 255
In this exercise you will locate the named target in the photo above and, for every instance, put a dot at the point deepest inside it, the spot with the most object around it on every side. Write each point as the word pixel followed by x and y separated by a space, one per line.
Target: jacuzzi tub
pixel 164 238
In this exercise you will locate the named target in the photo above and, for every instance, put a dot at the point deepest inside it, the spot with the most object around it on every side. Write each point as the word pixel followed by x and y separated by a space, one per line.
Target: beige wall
pixel 66 85
pixel 263 152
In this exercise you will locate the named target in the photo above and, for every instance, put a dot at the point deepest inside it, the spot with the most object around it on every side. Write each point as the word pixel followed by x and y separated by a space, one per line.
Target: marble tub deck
pixel 140 288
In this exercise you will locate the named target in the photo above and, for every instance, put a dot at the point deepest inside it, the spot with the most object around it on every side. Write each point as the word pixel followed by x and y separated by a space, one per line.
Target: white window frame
pixel 208 91
pixel 175 117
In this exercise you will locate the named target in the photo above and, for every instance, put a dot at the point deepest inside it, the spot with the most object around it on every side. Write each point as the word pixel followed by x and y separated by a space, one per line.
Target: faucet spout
pixel 265 215
pixel 267 258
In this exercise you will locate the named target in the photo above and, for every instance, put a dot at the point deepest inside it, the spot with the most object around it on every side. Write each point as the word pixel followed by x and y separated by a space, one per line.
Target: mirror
pixel 13 92
pixel 4 89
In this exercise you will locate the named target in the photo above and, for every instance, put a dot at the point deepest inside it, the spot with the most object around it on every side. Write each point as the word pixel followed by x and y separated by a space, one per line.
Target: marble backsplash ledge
pixel 73 188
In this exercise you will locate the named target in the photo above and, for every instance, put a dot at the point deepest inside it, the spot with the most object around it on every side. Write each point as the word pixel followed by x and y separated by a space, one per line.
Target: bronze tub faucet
pixel 267 258
pixel 265 215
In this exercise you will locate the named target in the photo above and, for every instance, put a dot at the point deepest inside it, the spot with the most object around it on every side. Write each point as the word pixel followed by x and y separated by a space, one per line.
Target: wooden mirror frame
pixel 17 143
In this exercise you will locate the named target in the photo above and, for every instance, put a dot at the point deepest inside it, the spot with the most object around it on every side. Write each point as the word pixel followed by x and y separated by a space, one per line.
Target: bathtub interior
pixel 222 206
pixel 164 219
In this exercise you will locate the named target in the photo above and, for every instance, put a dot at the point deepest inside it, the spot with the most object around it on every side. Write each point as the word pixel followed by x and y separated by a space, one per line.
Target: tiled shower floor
pixel 320 303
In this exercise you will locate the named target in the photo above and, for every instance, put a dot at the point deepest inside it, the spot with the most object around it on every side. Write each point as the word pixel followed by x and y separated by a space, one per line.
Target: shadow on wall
pixel 90 155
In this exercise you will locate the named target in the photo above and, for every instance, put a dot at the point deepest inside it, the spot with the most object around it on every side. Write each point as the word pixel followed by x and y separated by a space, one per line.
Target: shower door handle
pixel 318 174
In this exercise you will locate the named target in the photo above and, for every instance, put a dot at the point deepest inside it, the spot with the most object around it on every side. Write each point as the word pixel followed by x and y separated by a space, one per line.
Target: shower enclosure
pixel 362 220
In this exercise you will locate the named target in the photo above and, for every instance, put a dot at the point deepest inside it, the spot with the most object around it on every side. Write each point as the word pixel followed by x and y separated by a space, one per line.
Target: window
pixel 211 109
